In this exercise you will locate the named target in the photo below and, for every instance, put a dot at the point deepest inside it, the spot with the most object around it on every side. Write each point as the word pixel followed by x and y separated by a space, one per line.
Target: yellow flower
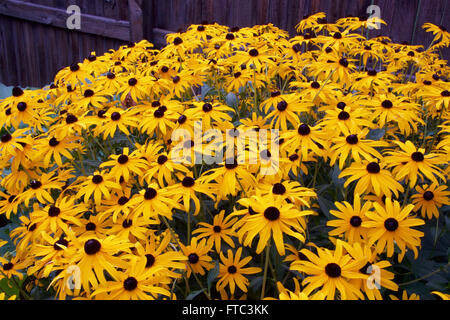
pixel 392 224
pixel 232 271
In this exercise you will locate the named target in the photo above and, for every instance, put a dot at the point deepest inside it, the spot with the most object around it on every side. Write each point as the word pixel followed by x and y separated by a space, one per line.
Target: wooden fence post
pixel 136 20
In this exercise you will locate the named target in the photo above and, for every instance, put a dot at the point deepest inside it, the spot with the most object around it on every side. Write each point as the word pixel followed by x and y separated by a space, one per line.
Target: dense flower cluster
pixel 103 207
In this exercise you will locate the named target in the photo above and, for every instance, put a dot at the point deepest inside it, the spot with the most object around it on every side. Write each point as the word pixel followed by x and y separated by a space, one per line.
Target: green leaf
pixel 193 294
pixel 325 206
pixel 231 99
pixel 376 134
pixel 212 274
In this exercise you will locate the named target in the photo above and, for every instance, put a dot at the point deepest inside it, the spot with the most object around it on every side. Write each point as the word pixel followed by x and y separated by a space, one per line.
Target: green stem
pixel 315 174
pixel 406 194
pixel 425 276
pixel 438 123
pixel 266 264
pixel 83 171
pixel 23 292
pixel 192 269
pixel 189 227
pixel 437 231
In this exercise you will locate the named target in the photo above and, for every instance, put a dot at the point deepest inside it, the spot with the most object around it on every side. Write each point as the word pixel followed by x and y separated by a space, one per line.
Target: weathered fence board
pixel 35 43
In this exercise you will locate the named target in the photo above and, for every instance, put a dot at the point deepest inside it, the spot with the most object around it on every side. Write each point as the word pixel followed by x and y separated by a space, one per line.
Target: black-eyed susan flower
pixel 273 218
pixel 331 271
pixel 350 219
pixel 411 163
pixel 430 198
pixel 232 271
pixel 93 256
pixel 134 283
pixel 125 165
pixel 198 259
pixel 371 177
pixel 99 184
pixel 220 230
pixel 391 225
pixel 59 215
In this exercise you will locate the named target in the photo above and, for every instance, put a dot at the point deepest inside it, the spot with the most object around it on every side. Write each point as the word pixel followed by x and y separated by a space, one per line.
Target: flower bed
pixel 232 163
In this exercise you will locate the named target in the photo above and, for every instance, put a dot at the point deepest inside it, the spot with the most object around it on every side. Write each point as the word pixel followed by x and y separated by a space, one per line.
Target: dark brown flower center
pixel 232 269
pixel 231 163
pixel 272 214
pixel 193 258
pixel 61 242
pixel 6 138
pixel 352 139
pixel 297 48
pixel 343 115
pixel 127 223
pixel 162 159
pixel 337 35
pixel 182 119
pixel 315 85
pixel 207 107
pixel 159 113
pixel 90 226
pixel 278 188
pixel 97 179
pixel 253 52
pixel 373 167
pixel 53 211
pixel 150 193
pixel 282 105
pixel 132 82
pixel 428 195
pixel 88 93
pixel 391 224
pixel 355 221
pixel 341 105
pixel 176 79
pixel 122 200
pixel 387 104
pixel 35 184
pixel 130 284
pixel 115 116
pixel 229 36
pixel 17 92
pixel 8 266
pixel 150 260
pixel 177 41
pixel 417 156
pixel 343 62
pixel 21 106
pixel 122 159
pixel 53 142
pixel 92 246
pixel 217 229
pixel 188 182
pixel 303 129
pixel 333 270
pixel 275 94
pixel 71 119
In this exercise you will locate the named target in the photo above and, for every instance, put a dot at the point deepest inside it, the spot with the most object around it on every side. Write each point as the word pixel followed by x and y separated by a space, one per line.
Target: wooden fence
pixel 35 42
